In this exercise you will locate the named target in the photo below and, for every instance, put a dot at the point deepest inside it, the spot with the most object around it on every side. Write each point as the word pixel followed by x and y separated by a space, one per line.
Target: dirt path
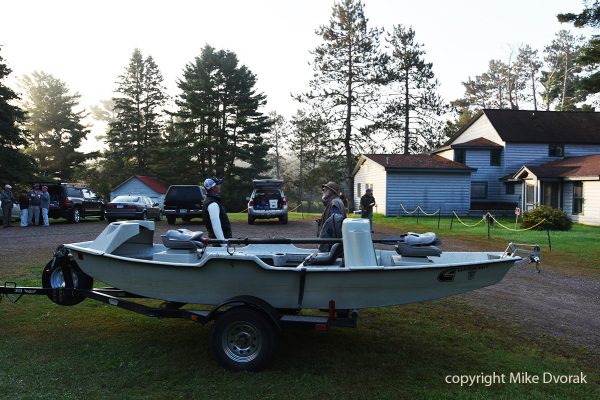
pixel 552 303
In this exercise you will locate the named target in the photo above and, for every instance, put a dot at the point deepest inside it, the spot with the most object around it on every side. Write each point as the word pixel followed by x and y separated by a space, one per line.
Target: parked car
pixel 183 201
pixel 73 202
pixel 132 207
pixel 267 201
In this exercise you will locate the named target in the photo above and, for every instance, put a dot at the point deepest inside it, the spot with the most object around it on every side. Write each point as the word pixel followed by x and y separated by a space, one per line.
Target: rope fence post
pixel 487 220
pixel 439 216
pixel 417 216
pixel 548 233
pixel 452 219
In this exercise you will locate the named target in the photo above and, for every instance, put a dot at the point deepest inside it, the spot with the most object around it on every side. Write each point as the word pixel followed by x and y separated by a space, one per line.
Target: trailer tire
pixel 53 278
pixel 243 339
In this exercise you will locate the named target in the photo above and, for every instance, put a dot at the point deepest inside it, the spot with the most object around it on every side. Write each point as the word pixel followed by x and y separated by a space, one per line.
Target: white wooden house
pixel 140 185
pixel 506 147
pixel 411 180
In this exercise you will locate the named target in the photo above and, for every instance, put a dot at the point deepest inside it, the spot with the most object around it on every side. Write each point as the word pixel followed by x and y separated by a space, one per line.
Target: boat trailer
pixel 245 330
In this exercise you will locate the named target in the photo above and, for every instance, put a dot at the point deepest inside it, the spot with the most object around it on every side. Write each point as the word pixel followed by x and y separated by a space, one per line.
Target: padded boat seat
pixel 183 239
pixel 337 251
pixel 419 245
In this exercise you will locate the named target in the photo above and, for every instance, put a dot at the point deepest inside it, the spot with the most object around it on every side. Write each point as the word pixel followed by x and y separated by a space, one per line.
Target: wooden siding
pixel 448 191
pixel 135 187
pixel 480 159
pixel 576 150
pixel 374 174
pixel 591 203
pixel 480 128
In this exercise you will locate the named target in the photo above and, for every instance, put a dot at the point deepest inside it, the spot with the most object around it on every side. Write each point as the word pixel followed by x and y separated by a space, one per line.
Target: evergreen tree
pixel 135 133
pixel 56 128
pixel 14 165
pixel 414 107
pixel 219 116
pixel 560 77
pixel 347 72
pixel 278 131
pixel 590 53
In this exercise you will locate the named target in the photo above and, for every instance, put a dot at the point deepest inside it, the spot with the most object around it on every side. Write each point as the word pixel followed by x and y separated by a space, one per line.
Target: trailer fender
pixel 251 301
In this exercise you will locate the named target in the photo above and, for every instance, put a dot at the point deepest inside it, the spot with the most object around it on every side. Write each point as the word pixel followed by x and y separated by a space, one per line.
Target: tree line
pixel 371 91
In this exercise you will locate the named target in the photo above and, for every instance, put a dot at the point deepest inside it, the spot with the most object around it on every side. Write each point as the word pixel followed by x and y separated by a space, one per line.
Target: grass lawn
pixel 95 351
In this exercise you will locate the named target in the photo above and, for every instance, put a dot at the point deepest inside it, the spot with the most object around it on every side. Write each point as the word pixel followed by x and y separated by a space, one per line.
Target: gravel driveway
pixel 551 303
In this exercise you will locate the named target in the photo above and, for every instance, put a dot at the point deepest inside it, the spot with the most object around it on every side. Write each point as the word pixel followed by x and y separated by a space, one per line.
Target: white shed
pixel 140 185
pixel 410 180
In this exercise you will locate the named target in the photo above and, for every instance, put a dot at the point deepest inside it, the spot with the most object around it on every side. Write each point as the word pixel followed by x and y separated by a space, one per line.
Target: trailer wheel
pixel 53 277
pixel 243 339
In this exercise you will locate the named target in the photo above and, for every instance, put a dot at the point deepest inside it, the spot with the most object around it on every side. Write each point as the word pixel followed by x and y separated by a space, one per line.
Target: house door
pixel 529 196
pixel 551 192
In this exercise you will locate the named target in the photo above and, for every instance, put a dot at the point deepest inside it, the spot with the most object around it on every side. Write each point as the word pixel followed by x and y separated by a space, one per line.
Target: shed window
pixel 510 187
pixel 556 150
pixel 577 198
pixel 460 155
pixel 479 190
pixel 495 157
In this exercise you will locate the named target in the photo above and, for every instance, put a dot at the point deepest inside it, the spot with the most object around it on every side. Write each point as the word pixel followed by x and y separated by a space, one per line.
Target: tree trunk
pixel 406 113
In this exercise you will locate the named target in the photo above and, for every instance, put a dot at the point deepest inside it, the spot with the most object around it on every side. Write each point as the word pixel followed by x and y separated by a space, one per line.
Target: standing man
pixel 7 199
pixel 24 204
pixel 332 202
pixel 213 212
pixel 45 204
pixel 367 202
pixel 34 205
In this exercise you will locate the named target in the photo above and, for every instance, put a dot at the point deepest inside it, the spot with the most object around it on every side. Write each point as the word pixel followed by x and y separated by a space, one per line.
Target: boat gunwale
pixel 257 260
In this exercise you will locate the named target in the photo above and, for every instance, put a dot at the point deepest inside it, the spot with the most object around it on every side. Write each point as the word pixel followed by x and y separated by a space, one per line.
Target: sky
pixel 87 44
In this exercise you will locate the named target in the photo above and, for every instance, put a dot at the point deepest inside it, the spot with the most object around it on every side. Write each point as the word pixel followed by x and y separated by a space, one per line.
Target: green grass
pixel 95 351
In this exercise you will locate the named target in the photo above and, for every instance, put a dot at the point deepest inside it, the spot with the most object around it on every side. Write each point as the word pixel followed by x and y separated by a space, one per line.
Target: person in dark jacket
pixel 7 199
pixel 213 212
pixel 332 202
pixel 34 205
pixel 367 202
pixel 24 204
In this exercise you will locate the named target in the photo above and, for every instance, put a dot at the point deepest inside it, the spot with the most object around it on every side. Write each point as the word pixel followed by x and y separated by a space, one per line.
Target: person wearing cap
pixel 45 204
pixel 7 199
pixel 213 212
pixel 332 202
pixel 34 205
pixel 367 202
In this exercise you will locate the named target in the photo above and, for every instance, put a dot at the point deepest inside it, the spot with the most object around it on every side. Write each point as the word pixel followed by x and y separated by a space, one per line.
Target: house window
pixel 479 190
pixel 556 150
pixel 460 155
pixel 577 198
pixel 495 157
pixel 510 187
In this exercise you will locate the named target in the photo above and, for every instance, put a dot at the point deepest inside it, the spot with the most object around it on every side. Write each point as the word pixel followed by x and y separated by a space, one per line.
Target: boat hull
pixel 221 277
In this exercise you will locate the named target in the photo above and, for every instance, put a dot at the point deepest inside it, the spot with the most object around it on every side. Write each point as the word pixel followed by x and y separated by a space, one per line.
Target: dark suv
pixel 73 202
pixel 183 201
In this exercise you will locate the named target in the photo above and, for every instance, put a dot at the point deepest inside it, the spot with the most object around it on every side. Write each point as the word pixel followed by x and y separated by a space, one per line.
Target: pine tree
pixel 530 65
pixel 414 107
pixel 14 165
pixel 56 127
pixel 347 72
pixel 590 53
pixel 219 116
pixel 135 134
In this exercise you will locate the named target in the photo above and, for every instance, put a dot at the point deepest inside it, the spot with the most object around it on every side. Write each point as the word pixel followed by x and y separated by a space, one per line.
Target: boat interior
pixel 134 239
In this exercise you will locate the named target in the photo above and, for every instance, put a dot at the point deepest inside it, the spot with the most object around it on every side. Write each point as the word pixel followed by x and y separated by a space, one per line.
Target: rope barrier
pixel 516 230
pixel 467 225
pixel 244 210
pixel 409 212
pixel 431 214
pixel 292 210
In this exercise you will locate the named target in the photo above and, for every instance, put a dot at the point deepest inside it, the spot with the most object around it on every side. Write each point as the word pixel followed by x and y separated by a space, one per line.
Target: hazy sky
pixel 88 43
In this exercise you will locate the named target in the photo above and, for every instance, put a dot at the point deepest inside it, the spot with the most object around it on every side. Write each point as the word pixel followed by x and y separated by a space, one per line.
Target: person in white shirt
pixel 214 214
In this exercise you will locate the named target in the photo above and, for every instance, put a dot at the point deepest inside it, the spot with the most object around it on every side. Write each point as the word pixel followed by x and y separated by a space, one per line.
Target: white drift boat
pixel 354 274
